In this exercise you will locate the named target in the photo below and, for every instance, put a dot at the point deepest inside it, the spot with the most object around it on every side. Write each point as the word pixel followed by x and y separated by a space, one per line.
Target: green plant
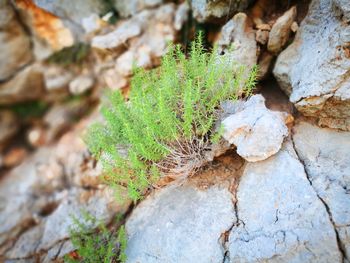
pixel 167 124
pixel 96 245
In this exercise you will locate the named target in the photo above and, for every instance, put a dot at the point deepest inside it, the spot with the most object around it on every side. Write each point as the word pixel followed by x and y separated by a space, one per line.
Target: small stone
pixel 91 23
pixel 181 15
pixel 9 126
pixel 264 27
pixel 280 31
pixel 56 78
pixel 36 136
pixel 239 33
pixel 262 36
pixel 256 131
pixel 81 84
pixel 14 157
pixel 294 27
pixel 114 80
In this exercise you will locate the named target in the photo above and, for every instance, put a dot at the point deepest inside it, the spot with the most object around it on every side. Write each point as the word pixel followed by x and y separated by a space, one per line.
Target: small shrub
pixel 96 245
pixel 167 124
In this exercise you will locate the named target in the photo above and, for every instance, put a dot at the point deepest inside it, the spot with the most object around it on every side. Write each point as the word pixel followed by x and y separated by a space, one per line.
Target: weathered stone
pixel 204 11
pixel 81 84
pixel 8 126
pixel 14 156
pixel 180 224
pixel 262 36
pixel 127 8
pixel 280 31
pixel 342 9
pixel 239 33
pixel 28 84
pixel 56 78
pixel 314 69
pixel 325 154
pixel 264 62
pixel 257 131
pixel 48 31
pixel 181 15
pixel 117 38
pixel 14 42
pixel 280 218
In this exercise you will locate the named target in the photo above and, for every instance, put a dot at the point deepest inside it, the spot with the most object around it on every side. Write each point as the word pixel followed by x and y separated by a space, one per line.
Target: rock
pixel 239 33
pixel 125 62
pixel 280 31
pixel 342 9
pixel 280 218
pixel 325 154
pixel 56 78
pixel 27 85
pixel 180 224
pixel 117 38
pixel 257 132
pixel 14 156
pixel 81 84
pixel 262 36
pixel 49 32
pixel 8 126
pixel 181 16
pixel 205 11
pixel 264 64
pixel 314 69
pixel 294 27
pixel 14 42
pixel 114 80
pixel 128 8
pixel 36 136
pixel 91 23
pixel 38 197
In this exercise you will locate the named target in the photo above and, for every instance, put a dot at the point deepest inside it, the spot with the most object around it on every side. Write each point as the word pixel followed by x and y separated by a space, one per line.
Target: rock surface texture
pixel 256 131
pixel 237 40
pixel 326 156
pixel 314 69
pixel 204 11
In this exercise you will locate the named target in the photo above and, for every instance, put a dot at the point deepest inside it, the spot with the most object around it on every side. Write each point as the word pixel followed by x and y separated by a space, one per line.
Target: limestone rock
pixel 180 224
pixel 118 37
pixel 325 154
pixel 49 33
pixel 14 42
pixel 342 8
pixel 81 84
pixel 204 10
pixel 28 84
pixel 8 126
pixel 280 218
pixel 280 31
pixel 240 34
pixel 314 69
pixel 256 131
pixel 127 8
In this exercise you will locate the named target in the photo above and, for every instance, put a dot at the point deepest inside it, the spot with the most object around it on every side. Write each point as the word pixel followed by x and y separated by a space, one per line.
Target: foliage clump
pixel 96 245
pixel 167 123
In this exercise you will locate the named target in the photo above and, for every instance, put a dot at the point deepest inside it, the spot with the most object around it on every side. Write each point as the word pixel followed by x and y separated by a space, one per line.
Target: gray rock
pixel 180 224
pixel 127 8
pixel 28 84
pixel 280 31
pixel 239 34
pixel 205 11
pixel 314 69
pixel 280 218
pixel 342 7
pixel 326 155
pixel 256 131
pixel 14 42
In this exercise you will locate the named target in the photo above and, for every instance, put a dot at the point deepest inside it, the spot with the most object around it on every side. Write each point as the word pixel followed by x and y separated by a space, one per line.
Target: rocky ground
pixel 279 194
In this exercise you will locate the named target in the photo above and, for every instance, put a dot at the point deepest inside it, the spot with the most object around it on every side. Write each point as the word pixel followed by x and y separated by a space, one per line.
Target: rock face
pixel 127 8
pixel 38 198
pixel 256 131
pixel 314 69
pixel 168 227
pixel 204 11
pixel 26 85
pixel 326 156
pixel 239 33
pixel 280 31
pixel 280 217
pixel 14 42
